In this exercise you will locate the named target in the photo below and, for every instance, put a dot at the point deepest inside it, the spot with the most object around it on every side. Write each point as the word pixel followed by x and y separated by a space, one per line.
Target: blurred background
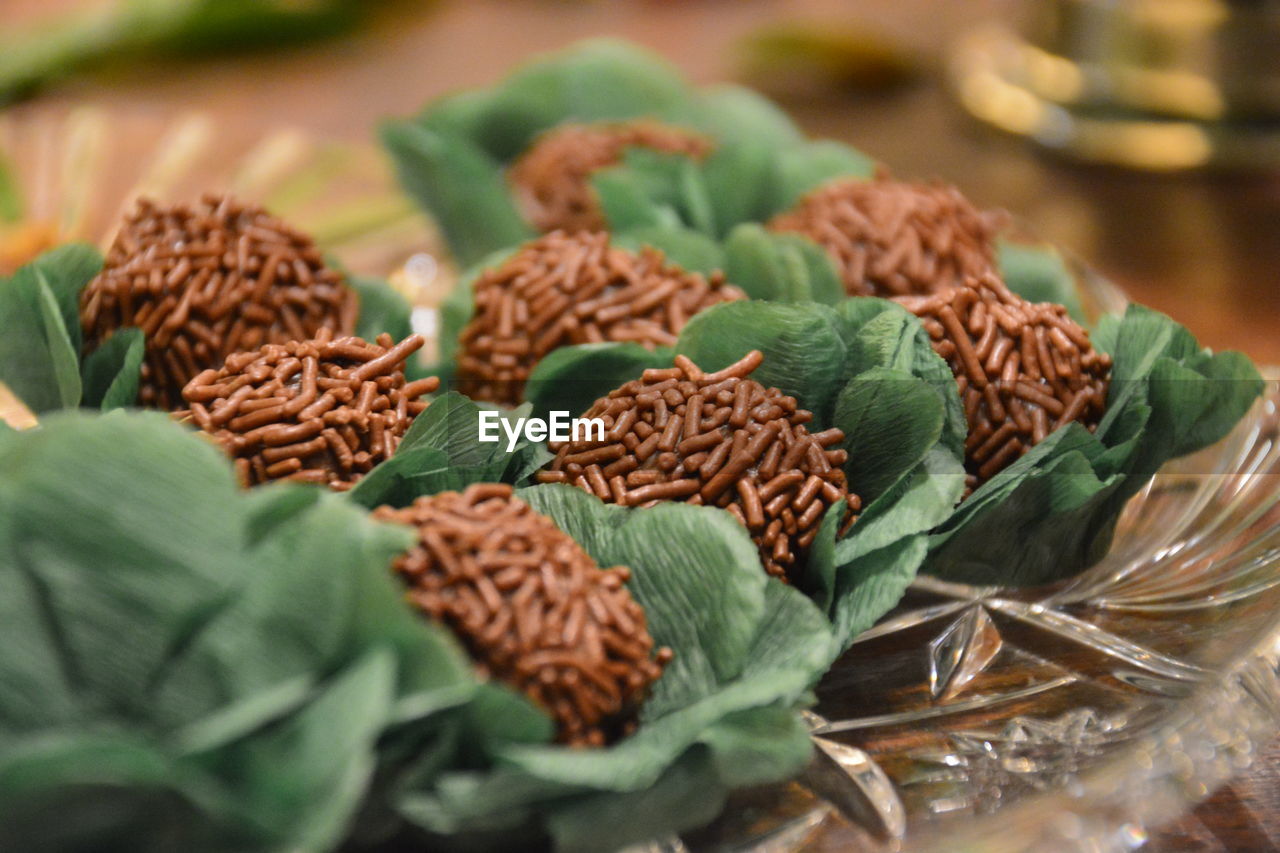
pixel 1140 135
pixel 1195 233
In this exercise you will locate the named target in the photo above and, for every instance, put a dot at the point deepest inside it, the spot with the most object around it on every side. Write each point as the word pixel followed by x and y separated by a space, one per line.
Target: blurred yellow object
pixel 13 411
pixel 22 242
pixel 802 55
pixel 1150 84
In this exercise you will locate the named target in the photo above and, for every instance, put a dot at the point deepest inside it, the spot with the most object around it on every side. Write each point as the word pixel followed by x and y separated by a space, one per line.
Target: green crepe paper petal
pixel 593 80
pixel 255 642
pixel 806 166
pixel 442 451
pixel 570 379
pixel 683 247
pixel 780 267
pixel 64 359
pixel 804 353
pixel 654 188
pixel 38 360
pixel 732 113
pixel 890 418
pixel 305 796
pixel 111 373
pixel 459 185
pixel 1039 274
pixel 723 715
pixel 1052 513
pixel 382 309
pixel 67 270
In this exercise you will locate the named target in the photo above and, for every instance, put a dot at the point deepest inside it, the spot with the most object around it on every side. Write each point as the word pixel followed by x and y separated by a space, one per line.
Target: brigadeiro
pixel 1024 369
pixel 324 410
pixel 552 179
pixel 207 280
pixel 715 439
pixel 890 238
pixel 565 289
pixel 532 608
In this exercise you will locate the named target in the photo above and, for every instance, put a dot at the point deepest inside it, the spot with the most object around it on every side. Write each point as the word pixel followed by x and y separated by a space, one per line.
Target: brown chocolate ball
pixel 715 439
pixel 1024 369
pixel 565 289
pixel 532 608
pixel 324 410
pixel 890 238
pixel 552 179
pixel 207 280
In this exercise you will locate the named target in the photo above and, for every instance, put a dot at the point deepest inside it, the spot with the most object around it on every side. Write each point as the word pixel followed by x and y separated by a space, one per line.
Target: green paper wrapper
pixel 1051 514
pixel 452 158
pixel 724 714
pixel 190 666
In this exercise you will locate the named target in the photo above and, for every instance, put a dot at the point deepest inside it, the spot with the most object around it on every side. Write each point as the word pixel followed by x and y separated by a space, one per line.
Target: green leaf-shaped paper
pixel 442 451
pixel 1053 512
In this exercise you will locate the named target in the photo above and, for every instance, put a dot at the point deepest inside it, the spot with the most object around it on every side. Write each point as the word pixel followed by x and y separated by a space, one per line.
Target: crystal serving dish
pixel 1071 716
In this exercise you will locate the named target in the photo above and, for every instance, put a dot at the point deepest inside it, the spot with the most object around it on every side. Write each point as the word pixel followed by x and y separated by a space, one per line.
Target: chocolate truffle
pixel 324 410
pixel 552 179
pixel 716 439
pixel 565 289
pixel 206 281
pixel 890 238
pixel 1024 369
pixel 533 608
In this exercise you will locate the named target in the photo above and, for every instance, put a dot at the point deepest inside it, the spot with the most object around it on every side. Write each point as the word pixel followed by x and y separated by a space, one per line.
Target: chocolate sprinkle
pixel 207 281
pixel 533 608
pixel 321 411
pixel 716 439
pixel 552 179
pixel 1024 369
pixel 890 238
pixel 565 289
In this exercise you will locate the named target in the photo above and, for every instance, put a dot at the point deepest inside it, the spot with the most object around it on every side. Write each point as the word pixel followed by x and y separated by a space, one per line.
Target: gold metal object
pixel 1149 84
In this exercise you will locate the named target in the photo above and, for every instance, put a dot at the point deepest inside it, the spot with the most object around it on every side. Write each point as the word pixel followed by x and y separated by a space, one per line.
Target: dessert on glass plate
pixel 896 528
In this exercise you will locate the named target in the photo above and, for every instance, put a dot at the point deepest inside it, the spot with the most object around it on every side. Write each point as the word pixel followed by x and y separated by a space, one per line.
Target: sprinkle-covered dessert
pixel 565 289
pixel 552 179
pixel 533 608
pixel 324 410
pixel 890 238
pixel 206 281
pixel 1024 369
pixel 715 439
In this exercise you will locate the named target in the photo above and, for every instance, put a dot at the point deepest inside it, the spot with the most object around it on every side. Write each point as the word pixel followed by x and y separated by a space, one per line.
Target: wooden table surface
pixel 1203 249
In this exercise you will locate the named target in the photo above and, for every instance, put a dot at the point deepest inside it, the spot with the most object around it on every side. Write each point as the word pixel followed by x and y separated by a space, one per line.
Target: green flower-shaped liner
pixel 188 665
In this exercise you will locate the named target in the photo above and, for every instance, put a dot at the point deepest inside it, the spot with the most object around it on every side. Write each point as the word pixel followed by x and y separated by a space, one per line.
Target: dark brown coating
pixel 552 179
pixel 565 289
pixel 533 608
pixel 890 238
pixel 207 280
pixel 714 439
pixel 324 410
pixel 1024 369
